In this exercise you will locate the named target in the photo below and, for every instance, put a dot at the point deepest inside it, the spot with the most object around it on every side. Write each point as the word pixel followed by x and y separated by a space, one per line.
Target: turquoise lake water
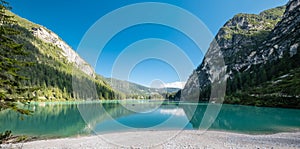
pixel 77 119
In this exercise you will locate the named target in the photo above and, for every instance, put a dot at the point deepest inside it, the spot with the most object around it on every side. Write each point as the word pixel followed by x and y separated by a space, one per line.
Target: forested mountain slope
pixel 56 66
pixel 136 91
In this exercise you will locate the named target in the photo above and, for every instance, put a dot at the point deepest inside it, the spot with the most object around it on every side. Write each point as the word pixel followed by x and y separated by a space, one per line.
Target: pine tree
pixel 11 60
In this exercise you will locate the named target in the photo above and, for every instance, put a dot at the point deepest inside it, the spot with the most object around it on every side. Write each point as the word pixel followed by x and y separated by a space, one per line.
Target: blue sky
pixel 71 19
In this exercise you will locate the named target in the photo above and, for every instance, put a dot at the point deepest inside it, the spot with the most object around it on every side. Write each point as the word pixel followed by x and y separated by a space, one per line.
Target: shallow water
pixel 72 119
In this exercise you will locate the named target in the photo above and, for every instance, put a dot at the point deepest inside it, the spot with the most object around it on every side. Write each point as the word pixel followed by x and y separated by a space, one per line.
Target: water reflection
pixel 247 119
pixel 62 120
pixel 50 120
pixel 109 117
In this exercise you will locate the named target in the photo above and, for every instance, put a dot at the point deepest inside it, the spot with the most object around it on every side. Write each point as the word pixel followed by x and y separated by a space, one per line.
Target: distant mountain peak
pixel 178 85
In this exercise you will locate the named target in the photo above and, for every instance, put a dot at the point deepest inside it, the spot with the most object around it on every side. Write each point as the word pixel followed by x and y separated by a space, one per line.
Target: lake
pixel 78 119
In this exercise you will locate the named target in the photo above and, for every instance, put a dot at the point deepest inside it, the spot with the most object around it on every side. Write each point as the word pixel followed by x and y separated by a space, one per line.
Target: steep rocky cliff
pixel 72 57
pixel 285 36
pixel 250 46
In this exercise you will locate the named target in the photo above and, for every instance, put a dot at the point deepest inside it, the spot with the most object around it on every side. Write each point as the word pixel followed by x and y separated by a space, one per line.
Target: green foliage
pixel 52 74
pixel 131 90
pixel 273 13
pixel 275 83
pixel 171 96
pixel 12 59
pixel 262 101
pixel 49 77
pixel 4 136
pixel 21 138
pixel 265 22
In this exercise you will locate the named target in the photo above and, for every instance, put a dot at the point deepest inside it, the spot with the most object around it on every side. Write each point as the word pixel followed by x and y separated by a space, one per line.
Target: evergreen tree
pixel 11 60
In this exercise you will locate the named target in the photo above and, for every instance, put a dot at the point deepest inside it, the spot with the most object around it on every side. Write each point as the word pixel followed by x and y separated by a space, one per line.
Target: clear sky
pixel 71 19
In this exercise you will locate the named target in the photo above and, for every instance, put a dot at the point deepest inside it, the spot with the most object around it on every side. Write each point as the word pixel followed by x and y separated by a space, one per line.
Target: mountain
pixel 254 58
pixel 58 73
pixel 136 91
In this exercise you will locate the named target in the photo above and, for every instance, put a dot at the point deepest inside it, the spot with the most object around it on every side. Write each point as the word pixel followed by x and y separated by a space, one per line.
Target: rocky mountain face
pixel 285 36
pixel 244 53
pixel 72 57
pixel 240 38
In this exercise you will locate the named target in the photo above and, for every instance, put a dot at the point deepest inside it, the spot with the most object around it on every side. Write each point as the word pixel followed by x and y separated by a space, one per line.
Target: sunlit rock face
pixel 244 41
pixel 67 51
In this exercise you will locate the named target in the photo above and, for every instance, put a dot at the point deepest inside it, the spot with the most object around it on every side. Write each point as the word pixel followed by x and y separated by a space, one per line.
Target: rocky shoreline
pixel 169 140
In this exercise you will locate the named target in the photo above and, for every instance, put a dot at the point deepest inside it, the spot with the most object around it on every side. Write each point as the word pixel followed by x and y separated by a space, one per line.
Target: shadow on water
pixel 247 119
